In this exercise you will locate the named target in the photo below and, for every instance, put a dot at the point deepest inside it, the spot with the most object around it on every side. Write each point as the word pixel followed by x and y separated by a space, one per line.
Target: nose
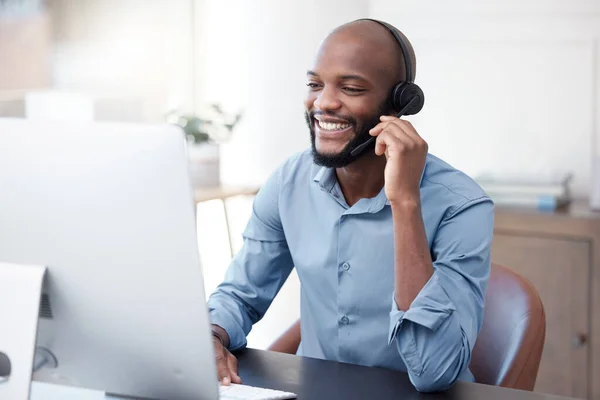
pixel 327 99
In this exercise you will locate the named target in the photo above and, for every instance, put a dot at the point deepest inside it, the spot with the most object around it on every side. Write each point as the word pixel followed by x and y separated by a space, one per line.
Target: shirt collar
pixel 326 179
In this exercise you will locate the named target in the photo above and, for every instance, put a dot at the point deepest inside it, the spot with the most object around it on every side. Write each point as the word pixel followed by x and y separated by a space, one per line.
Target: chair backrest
pixel 509 346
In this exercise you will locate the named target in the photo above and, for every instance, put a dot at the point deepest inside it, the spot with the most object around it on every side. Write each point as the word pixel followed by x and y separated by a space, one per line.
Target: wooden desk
pixel 315 379
pixel 559 252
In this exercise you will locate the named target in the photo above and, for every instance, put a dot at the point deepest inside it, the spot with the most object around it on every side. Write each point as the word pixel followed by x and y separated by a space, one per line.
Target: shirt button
pixel 345 320
pixel 345 266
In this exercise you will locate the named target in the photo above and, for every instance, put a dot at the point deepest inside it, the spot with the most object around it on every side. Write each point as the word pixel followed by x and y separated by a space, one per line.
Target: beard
pixel 361 135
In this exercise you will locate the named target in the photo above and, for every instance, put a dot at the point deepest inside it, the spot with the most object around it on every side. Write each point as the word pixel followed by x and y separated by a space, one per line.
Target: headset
pixel 406 97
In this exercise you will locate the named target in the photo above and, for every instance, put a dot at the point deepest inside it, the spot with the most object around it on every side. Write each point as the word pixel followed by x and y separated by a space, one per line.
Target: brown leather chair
pixel 509 346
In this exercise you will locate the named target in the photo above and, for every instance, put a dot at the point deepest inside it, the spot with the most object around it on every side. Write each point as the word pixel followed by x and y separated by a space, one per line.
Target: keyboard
pixel 244 392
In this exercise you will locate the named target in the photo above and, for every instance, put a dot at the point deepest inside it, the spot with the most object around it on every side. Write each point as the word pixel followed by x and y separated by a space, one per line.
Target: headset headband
pixel 403 47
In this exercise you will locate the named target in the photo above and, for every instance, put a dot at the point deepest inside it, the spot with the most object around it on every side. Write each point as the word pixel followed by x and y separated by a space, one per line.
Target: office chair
pixel 509 346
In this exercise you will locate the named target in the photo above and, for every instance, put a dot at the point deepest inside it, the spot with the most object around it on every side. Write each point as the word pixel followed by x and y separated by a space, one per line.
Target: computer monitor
pixel 109 209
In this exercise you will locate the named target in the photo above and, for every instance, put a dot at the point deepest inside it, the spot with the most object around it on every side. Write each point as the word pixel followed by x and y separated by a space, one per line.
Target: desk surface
pixel 317 379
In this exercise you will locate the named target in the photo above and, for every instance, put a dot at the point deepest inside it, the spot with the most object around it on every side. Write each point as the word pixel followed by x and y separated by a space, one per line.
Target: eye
pixel 313 85
pixel 353 90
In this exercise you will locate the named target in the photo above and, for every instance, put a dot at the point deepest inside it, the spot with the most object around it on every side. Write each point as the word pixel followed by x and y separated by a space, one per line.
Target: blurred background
pixel 512 98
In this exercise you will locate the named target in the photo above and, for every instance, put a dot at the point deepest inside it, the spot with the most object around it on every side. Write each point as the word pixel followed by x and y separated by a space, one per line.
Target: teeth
pixel 330 126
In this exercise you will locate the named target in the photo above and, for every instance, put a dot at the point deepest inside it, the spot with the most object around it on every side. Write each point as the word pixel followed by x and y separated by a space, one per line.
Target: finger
pixel 222 368
pixel 224 376
pixel 396 125
pixel 377 129
pixel 380 146
pixel 404 124
pixel 232 363
pixel 399 132
pixel 384 141
pixel 416 141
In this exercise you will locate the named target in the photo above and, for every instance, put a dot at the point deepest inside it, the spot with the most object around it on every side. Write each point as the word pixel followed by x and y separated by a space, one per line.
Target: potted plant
pixel 204 133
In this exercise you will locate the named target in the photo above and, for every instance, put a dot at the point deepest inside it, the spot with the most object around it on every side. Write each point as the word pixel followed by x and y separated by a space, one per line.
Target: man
pixel 392 245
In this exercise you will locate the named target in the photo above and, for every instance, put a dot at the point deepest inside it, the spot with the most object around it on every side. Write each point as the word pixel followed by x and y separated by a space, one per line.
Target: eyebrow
pixel 341 77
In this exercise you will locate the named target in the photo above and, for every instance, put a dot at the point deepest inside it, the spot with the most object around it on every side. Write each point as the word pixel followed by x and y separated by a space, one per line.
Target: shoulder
pixel 297 167
pixel 444 184
pixel 460 215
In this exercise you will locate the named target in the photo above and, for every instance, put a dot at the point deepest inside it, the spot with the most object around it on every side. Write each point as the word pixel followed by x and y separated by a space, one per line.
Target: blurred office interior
pixel 512 99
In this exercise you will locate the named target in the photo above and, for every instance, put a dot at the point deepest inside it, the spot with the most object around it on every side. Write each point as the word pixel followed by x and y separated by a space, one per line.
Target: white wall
pixel 511 87
pixel 255 55
pixel 132 48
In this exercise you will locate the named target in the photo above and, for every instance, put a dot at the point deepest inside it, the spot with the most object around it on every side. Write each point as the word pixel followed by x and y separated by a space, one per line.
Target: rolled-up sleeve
pixel 257 272
pixel 436 335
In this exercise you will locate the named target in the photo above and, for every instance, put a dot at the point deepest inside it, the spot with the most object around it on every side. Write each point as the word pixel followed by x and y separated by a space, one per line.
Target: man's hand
pixel 227 367
pixel 405 152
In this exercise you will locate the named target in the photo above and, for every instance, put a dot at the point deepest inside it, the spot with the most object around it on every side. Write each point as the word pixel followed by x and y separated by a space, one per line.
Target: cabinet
pixel 559 253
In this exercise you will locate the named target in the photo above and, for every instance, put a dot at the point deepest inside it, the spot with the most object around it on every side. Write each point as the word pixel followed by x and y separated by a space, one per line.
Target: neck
pixel 364 178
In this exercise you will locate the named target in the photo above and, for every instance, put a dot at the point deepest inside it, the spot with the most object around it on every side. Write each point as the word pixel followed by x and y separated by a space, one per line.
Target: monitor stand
pixel 20 294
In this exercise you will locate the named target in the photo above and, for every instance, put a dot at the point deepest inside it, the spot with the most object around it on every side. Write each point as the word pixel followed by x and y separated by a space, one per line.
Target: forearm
pixel 412 259
pixel 247 290
pixel 436 316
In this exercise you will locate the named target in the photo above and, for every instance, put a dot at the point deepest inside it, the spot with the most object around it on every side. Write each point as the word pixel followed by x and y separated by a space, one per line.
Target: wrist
pixel 406 203
pixel 218 338
pixel 221 335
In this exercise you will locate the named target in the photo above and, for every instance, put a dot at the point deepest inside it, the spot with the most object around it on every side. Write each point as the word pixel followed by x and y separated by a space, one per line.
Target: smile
pixel 331 128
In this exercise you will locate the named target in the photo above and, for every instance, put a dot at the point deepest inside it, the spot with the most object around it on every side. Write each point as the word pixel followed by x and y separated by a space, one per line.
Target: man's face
pixel 348 90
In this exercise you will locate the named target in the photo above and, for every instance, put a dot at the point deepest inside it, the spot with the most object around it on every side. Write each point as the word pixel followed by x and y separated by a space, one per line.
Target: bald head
pixel 372 38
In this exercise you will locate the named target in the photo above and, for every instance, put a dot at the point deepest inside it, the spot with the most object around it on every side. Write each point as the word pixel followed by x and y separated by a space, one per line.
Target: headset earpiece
pixel 405 93
pixel 407 97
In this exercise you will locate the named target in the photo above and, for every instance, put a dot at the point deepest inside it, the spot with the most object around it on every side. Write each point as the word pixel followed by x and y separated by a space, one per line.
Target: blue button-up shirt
pixel 344 257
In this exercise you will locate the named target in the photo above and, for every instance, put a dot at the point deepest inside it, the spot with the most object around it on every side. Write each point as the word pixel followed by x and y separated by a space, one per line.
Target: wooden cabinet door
pixel 560 271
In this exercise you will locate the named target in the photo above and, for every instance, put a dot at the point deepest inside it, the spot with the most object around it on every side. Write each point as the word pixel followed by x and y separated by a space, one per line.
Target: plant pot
pixel 204 162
